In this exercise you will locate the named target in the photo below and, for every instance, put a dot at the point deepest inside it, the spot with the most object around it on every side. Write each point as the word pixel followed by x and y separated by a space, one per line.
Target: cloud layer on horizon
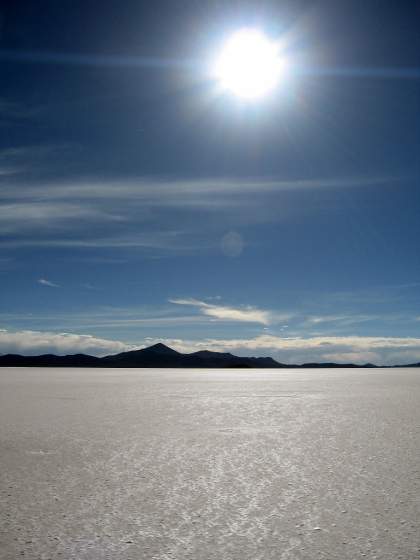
pixel 297 350
pixel 345 349
pixel 37 342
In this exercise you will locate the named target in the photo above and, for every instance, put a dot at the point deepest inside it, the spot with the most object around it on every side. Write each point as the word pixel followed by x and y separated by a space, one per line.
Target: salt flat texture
pixel 200 464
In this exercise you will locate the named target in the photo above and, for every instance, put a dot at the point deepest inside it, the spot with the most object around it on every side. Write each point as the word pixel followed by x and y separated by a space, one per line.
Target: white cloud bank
pixel 245 314
pixel 36 342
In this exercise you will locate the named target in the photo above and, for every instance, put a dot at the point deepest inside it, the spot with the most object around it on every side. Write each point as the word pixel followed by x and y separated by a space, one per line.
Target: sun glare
pixel 249 64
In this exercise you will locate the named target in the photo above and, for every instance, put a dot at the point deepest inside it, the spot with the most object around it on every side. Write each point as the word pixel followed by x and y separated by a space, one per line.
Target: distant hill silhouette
pixel 161 356
pixel 49 360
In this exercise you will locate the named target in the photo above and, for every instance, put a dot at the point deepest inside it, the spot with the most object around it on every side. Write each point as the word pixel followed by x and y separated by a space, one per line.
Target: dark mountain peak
pixel 211 354
pixel 160 348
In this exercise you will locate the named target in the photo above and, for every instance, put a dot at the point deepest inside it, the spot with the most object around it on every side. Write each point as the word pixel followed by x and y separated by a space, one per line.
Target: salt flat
pixel 209 464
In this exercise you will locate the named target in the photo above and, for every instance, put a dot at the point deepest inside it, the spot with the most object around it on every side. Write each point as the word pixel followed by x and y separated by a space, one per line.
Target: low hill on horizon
pixel 161 356
pixel 156 356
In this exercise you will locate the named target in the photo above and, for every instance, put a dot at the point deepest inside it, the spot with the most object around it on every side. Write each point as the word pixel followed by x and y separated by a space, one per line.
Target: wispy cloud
pixel 169 240
pixel 103 318
pixel 205 317
pixel 6 263
pixel 343 320
pixel 10 110
pixel 45 282
pixel 96 213
pixel 199 192
pixel 45 216
pixel 36 342
pixel 245 314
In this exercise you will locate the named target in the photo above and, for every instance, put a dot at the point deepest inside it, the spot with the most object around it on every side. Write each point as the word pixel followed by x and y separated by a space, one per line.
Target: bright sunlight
pixel 249 64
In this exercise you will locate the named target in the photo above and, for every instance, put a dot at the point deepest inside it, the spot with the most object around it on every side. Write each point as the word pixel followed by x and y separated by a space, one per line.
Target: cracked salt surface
pixel 185 464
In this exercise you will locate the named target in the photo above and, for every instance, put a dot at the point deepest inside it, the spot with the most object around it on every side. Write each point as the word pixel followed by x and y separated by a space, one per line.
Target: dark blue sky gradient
pixel 122 174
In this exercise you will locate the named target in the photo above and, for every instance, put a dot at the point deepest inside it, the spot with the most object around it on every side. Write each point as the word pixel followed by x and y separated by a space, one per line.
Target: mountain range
pixel 161 356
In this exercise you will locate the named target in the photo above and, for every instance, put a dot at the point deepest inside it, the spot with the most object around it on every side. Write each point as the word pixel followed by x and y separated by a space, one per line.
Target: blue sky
pixel 138 203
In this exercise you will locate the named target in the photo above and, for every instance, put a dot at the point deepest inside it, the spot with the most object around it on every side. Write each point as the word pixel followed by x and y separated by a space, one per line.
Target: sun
pixel 249 64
